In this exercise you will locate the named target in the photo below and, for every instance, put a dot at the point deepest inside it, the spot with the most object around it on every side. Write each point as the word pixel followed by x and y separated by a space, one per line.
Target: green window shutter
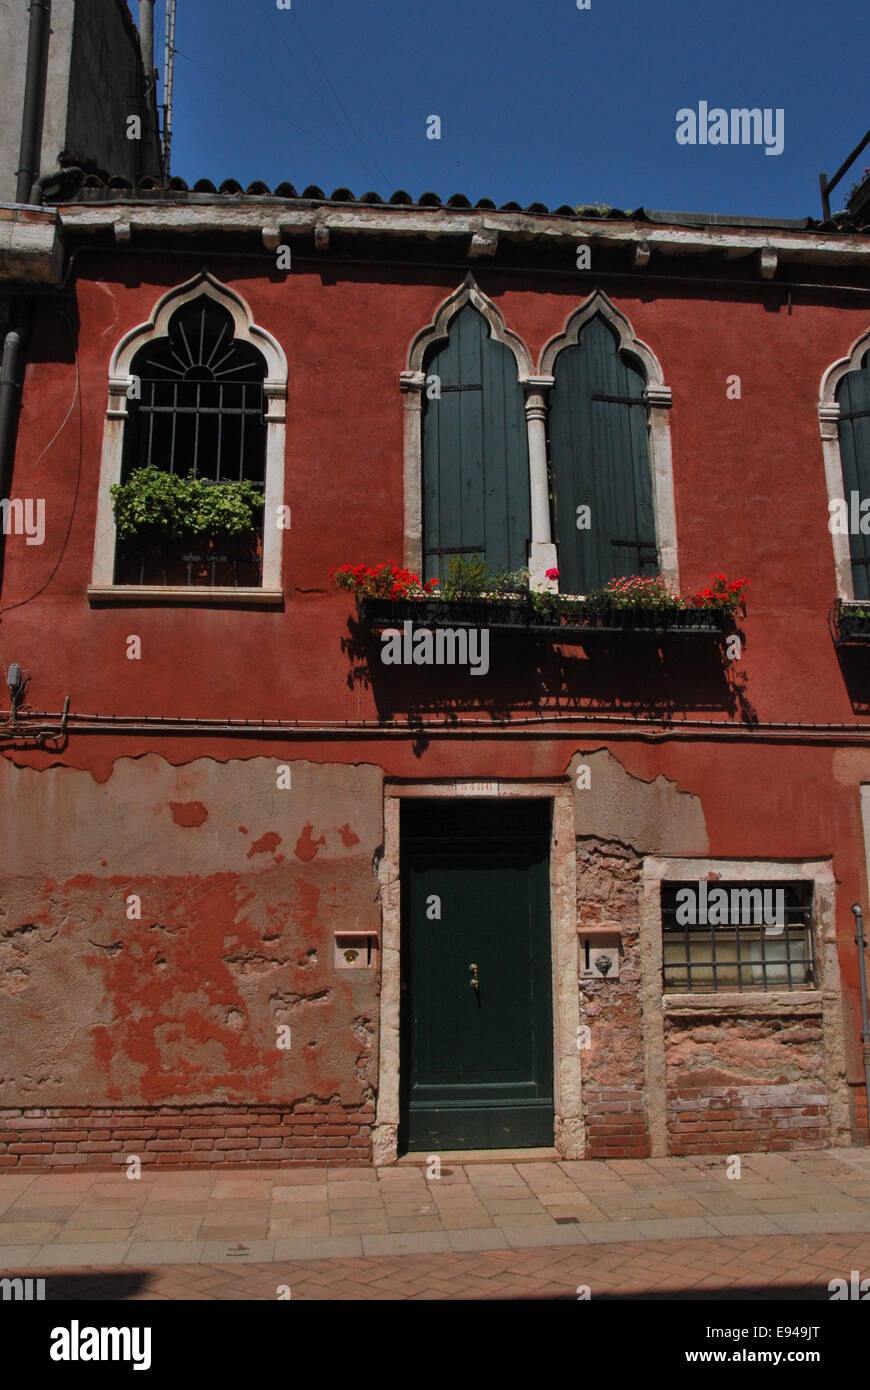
pixel 475 453
pixel 853 395
pixel 599 455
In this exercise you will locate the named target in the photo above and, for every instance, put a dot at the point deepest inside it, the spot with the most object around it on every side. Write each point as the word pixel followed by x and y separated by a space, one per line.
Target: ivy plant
pixel 152 499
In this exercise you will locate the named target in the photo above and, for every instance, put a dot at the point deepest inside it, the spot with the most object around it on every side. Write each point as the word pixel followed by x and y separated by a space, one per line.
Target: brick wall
pixel 615 1122
pixel 206 1136
pixel 735 1119
pixel 612 1066
pixel 858 1107
pixel 740 1082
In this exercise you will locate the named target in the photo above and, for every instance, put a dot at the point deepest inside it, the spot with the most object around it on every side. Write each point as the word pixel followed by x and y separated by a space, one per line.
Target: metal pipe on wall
pixel 29 159
pixel 10 386
pixel 865 1024
pixel 146 43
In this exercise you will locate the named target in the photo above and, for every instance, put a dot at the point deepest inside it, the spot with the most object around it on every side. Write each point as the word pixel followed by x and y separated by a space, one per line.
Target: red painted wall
pixel 750 500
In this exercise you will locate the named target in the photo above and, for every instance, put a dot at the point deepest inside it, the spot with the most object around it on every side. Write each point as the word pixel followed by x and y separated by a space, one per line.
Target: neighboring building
pixel 87 57
pixel 268 899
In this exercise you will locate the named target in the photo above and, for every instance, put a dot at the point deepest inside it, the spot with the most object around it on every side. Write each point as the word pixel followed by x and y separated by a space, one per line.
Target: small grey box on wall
pixel 355 950
pixel 599 955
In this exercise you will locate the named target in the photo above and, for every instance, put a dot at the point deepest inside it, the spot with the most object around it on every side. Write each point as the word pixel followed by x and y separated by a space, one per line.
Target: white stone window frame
pixel 567 1079
pixel 824 1001
pixel 658 399
pixel 536 384
pixel 102 587
pixel 829 428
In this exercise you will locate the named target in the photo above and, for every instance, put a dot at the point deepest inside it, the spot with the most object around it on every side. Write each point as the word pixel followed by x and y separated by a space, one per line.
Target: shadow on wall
pixel 660 677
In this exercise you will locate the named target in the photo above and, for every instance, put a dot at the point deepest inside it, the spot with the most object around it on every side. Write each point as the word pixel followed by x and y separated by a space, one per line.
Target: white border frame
pixel 567 1096
pixel 246 330
pixel 829 428
pixel 658 400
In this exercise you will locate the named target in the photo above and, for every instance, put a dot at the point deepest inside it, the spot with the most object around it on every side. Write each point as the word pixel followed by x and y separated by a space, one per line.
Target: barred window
pixel 199 412
pixel 742 936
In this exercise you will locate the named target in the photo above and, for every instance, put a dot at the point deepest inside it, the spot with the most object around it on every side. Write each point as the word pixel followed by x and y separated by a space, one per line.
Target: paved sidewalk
pixel 770 1267
pixel 105 1220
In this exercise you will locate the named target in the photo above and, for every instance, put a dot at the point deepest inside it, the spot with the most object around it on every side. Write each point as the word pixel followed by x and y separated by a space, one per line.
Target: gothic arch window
pixel 609 451
pixel 197 391
pixel 467 456
pixel 475 451
pixel 844 421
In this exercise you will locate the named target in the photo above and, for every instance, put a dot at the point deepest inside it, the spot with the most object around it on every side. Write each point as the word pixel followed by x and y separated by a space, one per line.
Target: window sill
pixel 782 1001
pixel 219 596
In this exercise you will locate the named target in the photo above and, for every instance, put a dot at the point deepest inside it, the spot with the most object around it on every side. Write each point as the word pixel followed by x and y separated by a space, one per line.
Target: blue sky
pixel 539 101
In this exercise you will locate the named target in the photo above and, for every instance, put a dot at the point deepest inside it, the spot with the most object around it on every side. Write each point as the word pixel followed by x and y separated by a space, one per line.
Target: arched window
pixel 475 451
pixel 199 412
pixel 609 452
pixel 196 392
pixel 853 398
pixel 200 407
pixel 599 457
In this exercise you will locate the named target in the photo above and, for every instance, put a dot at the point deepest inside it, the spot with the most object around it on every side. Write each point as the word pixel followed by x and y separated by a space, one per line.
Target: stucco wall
pixel 241 886
pixel 748 478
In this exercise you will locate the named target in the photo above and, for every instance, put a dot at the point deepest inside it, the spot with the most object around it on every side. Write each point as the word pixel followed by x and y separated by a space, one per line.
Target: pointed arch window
pixel 609 452
pixel 844 419
pixel 475 451
pixel 200 407
pixel 198 391
pixel 599 455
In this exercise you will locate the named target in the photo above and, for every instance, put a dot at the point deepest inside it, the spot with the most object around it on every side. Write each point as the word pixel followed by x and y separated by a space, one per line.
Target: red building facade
pixel 206 942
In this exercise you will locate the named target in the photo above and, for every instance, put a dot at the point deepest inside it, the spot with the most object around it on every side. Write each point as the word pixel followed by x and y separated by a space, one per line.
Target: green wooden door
pixel 853 395
pixel 599 454
pixel 475 452
pixel 477 1062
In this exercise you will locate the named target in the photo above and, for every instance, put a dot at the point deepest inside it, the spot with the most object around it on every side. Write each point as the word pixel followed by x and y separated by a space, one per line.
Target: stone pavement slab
pixel 476 1205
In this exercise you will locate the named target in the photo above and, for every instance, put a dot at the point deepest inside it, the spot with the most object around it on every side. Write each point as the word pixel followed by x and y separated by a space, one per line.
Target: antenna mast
pixel 168 76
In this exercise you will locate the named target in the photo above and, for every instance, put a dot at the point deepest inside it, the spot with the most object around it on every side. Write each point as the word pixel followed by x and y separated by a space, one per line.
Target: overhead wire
pixel 279 115
pixel 373 166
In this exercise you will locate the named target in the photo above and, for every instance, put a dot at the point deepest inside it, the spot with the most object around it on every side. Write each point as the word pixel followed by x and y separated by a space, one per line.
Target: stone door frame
pixel 564 949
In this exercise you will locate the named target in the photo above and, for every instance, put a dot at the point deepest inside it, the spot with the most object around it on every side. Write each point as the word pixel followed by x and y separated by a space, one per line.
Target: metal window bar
pixel 249 458
pixel 695 959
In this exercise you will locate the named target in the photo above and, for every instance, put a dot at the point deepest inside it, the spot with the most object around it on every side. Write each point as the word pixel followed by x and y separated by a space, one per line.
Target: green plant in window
pixel 154 500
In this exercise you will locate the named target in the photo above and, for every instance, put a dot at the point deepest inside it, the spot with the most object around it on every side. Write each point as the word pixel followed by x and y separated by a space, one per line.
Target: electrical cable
pixel 343 154
pixel 338 99
pixel 373 167
pixel 20 603
pixel 62 426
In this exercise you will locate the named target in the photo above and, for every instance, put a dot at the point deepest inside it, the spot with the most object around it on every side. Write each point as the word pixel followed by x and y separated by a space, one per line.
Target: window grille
pixel 764 942
pixel 200 412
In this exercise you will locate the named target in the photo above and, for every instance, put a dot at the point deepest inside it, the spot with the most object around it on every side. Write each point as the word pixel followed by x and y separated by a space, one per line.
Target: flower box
pixel 436 612
pixel 518 614
pixel 851 623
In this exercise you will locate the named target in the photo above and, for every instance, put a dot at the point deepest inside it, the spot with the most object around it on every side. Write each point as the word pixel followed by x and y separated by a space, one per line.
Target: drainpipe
pixel 34 98
pixel 865 1025
pixel 13 352
pixel 146 44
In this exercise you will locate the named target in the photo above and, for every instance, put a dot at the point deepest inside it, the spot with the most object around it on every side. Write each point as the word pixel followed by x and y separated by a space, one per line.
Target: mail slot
pixel 599 954
pixel 355 950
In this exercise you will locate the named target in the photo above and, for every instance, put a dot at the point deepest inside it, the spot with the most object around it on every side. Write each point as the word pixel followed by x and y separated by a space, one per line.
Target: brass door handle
pixel 474 981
